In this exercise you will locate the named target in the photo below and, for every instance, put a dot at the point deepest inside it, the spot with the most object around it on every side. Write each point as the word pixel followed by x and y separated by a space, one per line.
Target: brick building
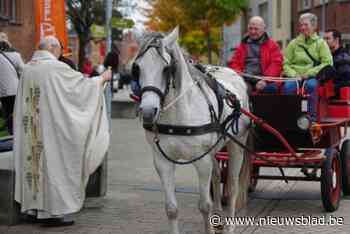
pixel 336 15
pixel 17 19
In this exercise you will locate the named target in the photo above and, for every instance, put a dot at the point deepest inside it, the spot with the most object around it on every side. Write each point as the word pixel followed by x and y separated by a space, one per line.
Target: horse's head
pixel 154 67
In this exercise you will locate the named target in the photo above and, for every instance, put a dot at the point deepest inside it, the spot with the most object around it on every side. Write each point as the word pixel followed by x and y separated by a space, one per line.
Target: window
pixel 2 9
pixel 245 20
pixel 304 5
pixel 263 11
pixel 279 13
pixel 319 2
pixel 9 10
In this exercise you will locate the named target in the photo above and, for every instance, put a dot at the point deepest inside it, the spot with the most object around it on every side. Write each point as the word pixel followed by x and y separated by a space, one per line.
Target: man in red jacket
pixel 258 55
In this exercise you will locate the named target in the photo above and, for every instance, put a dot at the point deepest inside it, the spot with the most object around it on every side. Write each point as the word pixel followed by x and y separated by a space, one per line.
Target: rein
pixel 230 123
pixel 270 78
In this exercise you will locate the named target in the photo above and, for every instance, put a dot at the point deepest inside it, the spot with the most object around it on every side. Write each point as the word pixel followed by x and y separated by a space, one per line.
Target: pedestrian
pixel 341 59
pixel 64 58
pixel 307 56
pixel 87 67
pixel 11 65
pixel 61 135
pixel 112 61
pixel 258 55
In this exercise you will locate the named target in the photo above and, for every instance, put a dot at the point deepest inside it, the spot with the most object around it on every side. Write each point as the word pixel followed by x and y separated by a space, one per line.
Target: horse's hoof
pixel 228 230
pixel 218 229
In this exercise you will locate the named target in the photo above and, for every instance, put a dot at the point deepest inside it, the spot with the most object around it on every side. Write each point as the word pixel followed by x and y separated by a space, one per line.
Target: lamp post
pixel 109 5
pixel 108 91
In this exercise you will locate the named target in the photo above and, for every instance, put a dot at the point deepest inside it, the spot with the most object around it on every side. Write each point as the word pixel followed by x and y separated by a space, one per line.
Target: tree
pixel 82 14
pixel 192 15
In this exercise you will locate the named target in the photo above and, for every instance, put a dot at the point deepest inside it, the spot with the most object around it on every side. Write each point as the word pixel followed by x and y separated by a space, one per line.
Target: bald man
pixel 60 136
pixel 259 55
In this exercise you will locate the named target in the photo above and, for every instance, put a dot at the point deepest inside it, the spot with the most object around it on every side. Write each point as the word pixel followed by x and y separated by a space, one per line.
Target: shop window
pixel 304 5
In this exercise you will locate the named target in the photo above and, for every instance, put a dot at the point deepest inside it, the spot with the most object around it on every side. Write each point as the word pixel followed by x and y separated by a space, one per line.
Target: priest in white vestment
pixel 61 135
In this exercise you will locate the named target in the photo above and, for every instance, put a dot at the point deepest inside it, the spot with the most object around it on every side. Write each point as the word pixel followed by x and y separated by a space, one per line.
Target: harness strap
pixel 213 116
pixel 155 90
pixel 215 86
pixel 184 130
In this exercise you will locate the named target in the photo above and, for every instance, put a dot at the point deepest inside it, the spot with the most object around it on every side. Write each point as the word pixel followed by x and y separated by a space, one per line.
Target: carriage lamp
pixel 316 132
pixel 304 122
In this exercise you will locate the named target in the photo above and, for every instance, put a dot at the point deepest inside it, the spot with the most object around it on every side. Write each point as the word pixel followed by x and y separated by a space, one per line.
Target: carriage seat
pixel 344 93
pixel 340 108
pixel 326 90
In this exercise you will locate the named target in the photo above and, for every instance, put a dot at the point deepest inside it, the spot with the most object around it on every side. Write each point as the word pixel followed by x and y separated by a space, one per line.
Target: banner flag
pixel 51 20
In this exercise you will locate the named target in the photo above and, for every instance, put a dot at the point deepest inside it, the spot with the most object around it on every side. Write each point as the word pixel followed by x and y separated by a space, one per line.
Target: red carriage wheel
pixel 331 181
pixel 345 166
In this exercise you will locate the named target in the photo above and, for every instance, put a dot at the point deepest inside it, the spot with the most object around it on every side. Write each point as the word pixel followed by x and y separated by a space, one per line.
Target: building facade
pixel 17 19
pixel 332 14
pixel 281 25
pixel 277 16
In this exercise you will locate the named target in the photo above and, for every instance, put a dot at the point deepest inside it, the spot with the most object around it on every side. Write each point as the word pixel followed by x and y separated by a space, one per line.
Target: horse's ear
pixel 170 39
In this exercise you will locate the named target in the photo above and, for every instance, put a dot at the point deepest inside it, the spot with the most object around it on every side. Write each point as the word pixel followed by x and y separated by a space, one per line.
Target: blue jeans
pixel 135 87
pixel 270 88
pixel 290 87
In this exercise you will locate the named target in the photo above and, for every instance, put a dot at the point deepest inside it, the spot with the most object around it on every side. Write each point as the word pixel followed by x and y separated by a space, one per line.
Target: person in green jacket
pixel 305 57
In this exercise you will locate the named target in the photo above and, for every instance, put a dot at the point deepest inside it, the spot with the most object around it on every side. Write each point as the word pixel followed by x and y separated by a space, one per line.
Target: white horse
pixel 187 106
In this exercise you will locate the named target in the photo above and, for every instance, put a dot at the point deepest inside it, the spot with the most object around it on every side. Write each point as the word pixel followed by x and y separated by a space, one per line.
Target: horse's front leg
pixel 234 168
pixel 215 183
pixel 166 172
pixel 204 171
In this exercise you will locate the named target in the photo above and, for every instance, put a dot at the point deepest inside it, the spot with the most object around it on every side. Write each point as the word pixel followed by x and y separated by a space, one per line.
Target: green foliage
pixel 214 12
pixel 82 14
pixel 200 21
pixel 195 41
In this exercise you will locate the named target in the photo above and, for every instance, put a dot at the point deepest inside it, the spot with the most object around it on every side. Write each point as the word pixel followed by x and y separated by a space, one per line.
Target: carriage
pixel 284 137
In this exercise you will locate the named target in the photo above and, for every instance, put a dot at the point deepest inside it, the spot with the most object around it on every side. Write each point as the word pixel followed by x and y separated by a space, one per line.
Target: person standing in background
pixel 11 65
pixel 112 61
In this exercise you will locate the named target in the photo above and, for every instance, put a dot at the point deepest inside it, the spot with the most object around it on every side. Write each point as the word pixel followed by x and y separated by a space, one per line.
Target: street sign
pixel 98 31
pixel 121 23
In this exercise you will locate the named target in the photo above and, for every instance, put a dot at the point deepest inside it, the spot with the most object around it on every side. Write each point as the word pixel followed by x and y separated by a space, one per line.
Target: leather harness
pixel 213 126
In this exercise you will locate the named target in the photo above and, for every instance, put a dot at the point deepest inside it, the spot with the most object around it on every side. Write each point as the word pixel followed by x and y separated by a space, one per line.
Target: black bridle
pixel 168 71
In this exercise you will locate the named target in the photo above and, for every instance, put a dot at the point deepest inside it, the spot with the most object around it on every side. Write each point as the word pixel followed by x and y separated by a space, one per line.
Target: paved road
pixel 134 202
